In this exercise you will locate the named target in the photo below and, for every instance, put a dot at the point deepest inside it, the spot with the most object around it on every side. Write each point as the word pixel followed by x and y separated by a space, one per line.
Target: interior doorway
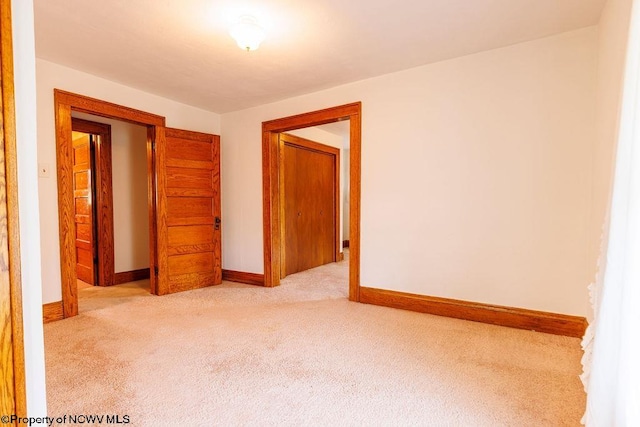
pixel 112 230
pixel 93 201
pixel 310 189
pixel 273 218
pixel 66 106
pixel 183 199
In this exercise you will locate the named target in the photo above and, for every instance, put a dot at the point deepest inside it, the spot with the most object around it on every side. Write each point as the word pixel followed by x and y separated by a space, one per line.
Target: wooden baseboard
pixel 340 257
pixel 242 277
pixel 540 321
pixel 345 244
pixel 131 276
pixel 52 311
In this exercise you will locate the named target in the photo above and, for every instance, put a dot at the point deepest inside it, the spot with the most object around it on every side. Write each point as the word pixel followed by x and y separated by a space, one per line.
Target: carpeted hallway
pixel 301 354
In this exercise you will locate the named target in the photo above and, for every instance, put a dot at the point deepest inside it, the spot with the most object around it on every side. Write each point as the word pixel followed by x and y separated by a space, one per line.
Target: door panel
pixel 189 241
pixel 83 194
pixel 12 378
pixel 309 191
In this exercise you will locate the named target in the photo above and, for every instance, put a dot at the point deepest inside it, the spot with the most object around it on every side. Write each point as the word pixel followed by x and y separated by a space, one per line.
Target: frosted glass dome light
pixel 247 33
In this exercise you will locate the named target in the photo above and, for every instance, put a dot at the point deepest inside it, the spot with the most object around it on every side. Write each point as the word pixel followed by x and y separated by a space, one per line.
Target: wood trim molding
pixel 103 197
pixel 304 143
pixel 540 321
pixel 12 382
pixel 64 104
pixel 242 277
pixel 131 276
pixel 270 187
pixel 52 311
pixel 85 104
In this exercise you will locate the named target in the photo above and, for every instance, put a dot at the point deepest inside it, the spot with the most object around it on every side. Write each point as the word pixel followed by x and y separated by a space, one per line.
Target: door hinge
pixel 155 270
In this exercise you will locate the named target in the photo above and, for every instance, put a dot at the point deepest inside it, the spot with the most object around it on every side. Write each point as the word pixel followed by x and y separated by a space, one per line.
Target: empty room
pixel 218 212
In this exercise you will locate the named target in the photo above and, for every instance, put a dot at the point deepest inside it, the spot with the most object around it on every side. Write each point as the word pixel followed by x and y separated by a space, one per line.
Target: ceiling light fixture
pixel 247 33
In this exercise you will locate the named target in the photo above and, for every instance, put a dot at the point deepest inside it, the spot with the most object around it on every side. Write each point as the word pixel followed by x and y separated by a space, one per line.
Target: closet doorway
pixel 273 198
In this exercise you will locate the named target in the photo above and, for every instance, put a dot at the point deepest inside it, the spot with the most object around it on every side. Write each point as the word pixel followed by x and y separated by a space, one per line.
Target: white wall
pixel 25 93
pixel 327 138
pixel 476 175
pixel 345 198
pixel 130 199
pixel 50 76
pixel 612 41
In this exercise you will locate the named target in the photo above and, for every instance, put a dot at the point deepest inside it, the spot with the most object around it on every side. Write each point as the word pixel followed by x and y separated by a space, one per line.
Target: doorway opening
pixel 93 201
pixel 75 211
pixel 273 196
pixel 112 230
pixel 183 199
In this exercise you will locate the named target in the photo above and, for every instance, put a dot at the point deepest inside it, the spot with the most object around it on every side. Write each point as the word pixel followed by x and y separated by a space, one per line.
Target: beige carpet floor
pixel 301 354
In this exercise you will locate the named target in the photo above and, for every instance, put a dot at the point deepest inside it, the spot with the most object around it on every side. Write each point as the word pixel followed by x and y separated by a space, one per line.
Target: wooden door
pixel 102 200
pixel 188 218
pixel 12 374
pixel 84 218
pixel 310 207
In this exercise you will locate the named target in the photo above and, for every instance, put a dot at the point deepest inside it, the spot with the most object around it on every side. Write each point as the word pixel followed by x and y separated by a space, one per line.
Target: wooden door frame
pixel 103 213
pixel 321 148
pixel 64 104
pixel 13 385
pixel 271 191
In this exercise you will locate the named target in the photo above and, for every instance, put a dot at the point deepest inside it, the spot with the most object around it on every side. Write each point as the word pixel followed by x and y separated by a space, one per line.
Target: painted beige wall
pixel 130 199
pixel 612 42
pixel 476 175
pixel 50 76
pixel 345 196
pixel 25 95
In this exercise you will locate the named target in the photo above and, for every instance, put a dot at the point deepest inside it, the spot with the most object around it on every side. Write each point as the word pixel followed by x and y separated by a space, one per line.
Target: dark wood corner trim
pixel 52 311
pixel 131 276
pixel 540 321
pixel 242 277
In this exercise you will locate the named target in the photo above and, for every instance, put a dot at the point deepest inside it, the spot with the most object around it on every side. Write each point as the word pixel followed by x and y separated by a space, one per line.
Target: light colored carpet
pixel 301 354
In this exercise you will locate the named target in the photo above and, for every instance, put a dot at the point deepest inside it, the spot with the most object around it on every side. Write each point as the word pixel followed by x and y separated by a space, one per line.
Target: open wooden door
pixel 83 197
pixel 188 220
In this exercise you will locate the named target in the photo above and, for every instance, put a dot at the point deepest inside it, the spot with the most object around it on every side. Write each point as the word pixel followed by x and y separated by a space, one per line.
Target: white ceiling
pixel 180 49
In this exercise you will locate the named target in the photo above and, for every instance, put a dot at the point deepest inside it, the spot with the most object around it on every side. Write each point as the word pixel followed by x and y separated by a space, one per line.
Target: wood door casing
pixel 189 239
pixel 83 194
pixel 64 104
pixel 271 206
pixel 310 191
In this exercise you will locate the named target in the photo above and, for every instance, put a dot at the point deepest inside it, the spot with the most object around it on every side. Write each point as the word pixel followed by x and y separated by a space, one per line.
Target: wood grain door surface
pixel 189 225
pixel 309 208
pixel 84 218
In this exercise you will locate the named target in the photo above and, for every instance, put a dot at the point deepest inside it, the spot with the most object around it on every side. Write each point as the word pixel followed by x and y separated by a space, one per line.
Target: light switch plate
pixel 43 170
